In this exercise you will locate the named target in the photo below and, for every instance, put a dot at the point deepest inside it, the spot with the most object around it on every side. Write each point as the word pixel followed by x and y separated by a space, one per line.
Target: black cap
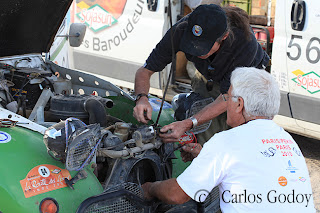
pixel 205 25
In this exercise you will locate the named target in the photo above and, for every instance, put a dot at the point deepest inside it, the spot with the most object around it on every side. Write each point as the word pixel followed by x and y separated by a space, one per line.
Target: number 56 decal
pixel 310 47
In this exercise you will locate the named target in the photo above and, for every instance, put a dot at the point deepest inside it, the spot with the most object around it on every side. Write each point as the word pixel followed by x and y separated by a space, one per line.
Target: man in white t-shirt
pixel 257 166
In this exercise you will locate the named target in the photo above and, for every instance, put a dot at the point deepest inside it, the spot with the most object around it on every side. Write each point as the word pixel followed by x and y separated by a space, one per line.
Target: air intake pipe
pixel 96 111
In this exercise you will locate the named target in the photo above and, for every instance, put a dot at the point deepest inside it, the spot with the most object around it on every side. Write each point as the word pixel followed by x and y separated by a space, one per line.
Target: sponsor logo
pixel 96 18
pixel 291 168
pixel 282 181
pixel 302 179
pixel 293 180
pixel 56 171
pixel 196 30
pixel 100 15
pixel 270 152
pixel 309 81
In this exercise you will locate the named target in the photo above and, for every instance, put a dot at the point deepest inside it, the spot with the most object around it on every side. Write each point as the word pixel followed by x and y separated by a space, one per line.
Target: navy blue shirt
pixel 235 51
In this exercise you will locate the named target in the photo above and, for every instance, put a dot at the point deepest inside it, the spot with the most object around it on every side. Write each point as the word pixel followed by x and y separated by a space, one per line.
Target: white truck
pixel 295 65
pixel 121 35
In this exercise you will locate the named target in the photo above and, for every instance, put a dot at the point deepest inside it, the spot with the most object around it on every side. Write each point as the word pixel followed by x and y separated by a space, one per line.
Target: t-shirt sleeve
pixel 161 55
pixel 204 173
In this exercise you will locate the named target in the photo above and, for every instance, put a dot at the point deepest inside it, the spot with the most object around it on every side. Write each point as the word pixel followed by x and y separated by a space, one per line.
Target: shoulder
pixel 238 37
pixel 181 25
pixel 221 139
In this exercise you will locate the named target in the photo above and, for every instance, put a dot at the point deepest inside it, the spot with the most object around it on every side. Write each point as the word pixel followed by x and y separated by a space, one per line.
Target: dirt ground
pixel 311 151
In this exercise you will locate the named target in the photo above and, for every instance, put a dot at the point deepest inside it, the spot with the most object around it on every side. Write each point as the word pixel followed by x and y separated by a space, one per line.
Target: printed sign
pixel 291 168
pixel 44 178
pixel 100 14
pixel 309 81
pixel 4 137
pixel 302 179
pixel 96 18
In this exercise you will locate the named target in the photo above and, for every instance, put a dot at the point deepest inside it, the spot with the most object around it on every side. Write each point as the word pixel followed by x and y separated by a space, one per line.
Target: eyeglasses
pixel 226 97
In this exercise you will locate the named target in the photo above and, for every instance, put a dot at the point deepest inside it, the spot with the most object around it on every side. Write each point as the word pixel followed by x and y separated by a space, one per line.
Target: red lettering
pixel 286 153
pixel 300 82
pixel 308 82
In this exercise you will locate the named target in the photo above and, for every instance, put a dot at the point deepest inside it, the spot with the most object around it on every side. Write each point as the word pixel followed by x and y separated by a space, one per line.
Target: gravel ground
pixel 311 151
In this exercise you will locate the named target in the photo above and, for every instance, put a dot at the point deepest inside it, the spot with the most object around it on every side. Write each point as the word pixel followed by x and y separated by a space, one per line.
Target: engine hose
pixel 127 152
pixel 97 112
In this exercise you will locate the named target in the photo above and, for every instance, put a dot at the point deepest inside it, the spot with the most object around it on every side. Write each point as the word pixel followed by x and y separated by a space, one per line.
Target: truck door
pixel 295 59
pixel 120 36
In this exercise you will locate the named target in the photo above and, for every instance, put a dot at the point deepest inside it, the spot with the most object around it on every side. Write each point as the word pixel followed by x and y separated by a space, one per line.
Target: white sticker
pixel 44 171
pixel 4 137
pixel 53 133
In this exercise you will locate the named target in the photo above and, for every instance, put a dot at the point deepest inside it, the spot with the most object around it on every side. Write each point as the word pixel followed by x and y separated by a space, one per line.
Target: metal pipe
pixel 269 13
pixel 126 152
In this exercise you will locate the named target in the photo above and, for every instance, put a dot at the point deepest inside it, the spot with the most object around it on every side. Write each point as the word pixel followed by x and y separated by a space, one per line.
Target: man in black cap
pixel 216 40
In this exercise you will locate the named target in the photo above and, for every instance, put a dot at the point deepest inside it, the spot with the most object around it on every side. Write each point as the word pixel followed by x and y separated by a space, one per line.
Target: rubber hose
pixel 97 112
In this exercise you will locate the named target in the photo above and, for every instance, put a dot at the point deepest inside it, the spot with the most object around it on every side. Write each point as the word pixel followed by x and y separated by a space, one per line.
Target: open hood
pixel 29 26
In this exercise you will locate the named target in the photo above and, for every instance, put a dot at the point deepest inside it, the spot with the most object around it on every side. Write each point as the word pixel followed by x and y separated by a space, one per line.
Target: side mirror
pixel 76 34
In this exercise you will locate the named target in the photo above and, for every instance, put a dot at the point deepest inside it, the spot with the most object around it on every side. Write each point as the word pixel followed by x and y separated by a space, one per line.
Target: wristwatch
pixel 140 95
pixel 194 122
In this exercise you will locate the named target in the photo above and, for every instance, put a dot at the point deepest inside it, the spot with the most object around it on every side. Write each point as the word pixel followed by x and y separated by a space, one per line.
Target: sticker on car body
pixel 156 104
pixel 4 137
pixel 309 81
pixel 44 178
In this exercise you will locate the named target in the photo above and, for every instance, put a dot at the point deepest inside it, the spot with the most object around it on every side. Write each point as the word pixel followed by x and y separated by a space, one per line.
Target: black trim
pixel 305 108
pixel 285 107
pixel 111 195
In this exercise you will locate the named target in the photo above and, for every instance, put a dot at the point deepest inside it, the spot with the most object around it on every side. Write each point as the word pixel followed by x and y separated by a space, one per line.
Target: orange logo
pixel 44 178
pixel 282 181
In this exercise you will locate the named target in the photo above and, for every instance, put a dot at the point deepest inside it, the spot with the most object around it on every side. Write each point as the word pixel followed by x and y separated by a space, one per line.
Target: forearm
pixel 142 81
pixel 211 111
pixel 168 191
pixel 208 113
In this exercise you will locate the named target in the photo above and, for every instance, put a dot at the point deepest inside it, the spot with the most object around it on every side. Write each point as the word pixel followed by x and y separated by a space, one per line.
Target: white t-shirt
pixel 257 166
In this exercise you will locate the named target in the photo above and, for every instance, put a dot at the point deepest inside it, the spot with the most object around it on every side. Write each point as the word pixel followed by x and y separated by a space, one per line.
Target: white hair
pixel 259 90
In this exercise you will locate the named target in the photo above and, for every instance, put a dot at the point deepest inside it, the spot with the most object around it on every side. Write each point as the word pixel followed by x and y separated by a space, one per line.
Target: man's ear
pixel 240 106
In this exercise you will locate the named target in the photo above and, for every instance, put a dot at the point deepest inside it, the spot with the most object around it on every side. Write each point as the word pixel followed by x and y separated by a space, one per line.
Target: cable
pixel 173 63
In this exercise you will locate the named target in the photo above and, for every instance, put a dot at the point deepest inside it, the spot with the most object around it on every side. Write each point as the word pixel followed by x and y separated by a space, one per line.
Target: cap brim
pixel 194 46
